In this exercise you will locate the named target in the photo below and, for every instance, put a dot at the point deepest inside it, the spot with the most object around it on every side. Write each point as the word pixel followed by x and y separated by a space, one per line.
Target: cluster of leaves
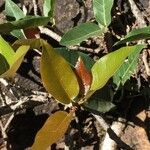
pixel 71 77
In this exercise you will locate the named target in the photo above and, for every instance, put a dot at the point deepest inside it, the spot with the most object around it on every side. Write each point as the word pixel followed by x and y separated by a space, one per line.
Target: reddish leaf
pixel 85 77
pixel 31 33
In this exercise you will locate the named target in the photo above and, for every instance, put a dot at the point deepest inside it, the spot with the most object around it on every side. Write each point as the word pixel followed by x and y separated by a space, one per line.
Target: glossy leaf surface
pixel 136 34
pixel 128 67
pixel 53 129
pixel 57 75
pixel 30 21
pixel 16 60
pixel 13 10
pixel 80 33
pixel 102 11
pixel 6 50
pixel 10 60
pixel 85 76
pixel 106 66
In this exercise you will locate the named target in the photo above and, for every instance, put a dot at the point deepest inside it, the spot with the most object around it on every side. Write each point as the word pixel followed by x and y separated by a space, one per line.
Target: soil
pixel 85 131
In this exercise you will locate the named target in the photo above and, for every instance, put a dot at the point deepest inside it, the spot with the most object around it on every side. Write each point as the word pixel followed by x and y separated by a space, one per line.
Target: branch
pixel 50 33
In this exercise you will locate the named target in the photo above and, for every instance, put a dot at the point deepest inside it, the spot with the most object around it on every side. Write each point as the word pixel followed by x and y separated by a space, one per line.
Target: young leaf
pixel 88 61
pixel 127 68
pixel 53 129
pixel 106 66
pixel 48 8
pixel 84 75
pixel 33 43
pixel 13 10
pixel 10 60
pixel 57 75
pixel 26 22
pixel 16 61
pixel 136 34
pixel 31 33
pixel 102 11
pixel 80 33
pixel 6 50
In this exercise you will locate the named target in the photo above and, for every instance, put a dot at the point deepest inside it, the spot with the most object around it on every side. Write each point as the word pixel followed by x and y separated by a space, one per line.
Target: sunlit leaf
pixel 102 11
pixel 106 66
pixel 53 129
pixel 16 61
pixel 128 67
pixel 57 75
pixel 80 33
pixel 10 60
pixel 136 34
pixel 48 8
pixel 6 50
pixel 33 43
pixel 85 76
pixel 12 10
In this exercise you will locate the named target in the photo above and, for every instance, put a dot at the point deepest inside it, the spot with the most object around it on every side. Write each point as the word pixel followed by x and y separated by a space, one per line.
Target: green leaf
pixel 48 8
pixel 106 66
pixel 4 64
pixel 80 33
pixel 16 60
pixel 101 100
pixel 128 67
pixel 13 10
pixel 57 75
pixel 6 50
pixel 136 34
pixel 72 57
pixel 18 34
pixel 102 11
pixel 10 60
pixel 26 22
pixel 33 43
pixel 54 128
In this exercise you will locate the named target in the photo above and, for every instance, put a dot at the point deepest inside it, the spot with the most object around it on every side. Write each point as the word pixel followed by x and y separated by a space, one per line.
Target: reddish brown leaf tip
pixel 84 75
